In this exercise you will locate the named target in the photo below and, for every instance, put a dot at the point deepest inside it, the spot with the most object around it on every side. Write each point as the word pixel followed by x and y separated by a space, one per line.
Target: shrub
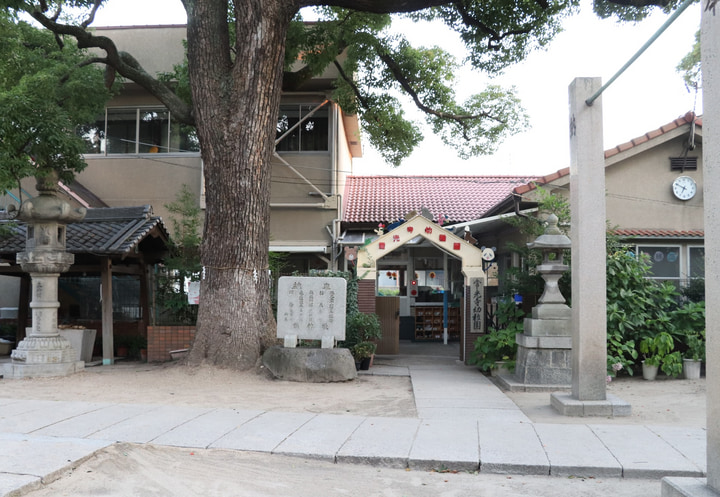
pixel 499 344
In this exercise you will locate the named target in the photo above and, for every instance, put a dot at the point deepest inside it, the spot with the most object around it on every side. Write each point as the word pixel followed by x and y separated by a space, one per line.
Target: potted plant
pixel 658 353
pixel 362 352
pixel 694 355
pixel 361 327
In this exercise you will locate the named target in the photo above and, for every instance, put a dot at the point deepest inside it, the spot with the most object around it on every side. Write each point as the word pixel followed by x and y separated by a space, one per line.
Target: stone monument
pixel 544 359
pixel 44 352
pixel 311 308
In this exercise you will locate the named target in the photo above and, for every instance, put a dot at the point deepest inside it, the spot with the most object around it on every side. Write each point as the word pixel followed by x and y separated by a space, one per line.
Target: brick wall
pixel 162 339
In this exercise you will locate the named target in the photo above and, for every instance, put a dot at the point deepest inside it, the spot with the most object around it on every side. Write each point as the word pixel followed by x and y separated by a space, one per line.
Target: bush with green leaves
pixel 646 317
pixel 361 327
pixel 499 344
pixel 182 263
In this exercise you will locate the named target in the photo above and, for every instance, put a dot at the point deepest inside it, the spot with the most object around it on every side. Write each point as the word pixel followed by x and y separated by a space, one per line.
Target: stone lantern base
pixel 42 356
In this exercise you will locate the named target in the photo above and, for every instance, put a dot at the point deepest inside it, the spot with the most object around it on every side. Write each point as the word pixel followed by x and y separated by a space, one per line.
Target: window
pixel 138 131
pixel 696 256
pixel 664 261
pixel 310 136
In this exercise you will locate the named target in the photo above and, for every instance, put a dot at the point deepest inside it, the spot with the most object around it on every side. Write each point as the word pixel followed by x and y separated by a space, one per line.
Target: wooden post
pixel 107 311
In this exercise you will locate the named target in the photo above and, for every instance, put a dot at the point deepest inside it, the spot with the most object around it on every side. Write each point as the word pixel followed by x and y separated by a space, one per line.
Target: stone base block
pixel 310 365
pixel 612 406
pixel 44 350
pixel 14 370
pixel 511 384
pixel 547 327
pixel 686 487
pixel 543 366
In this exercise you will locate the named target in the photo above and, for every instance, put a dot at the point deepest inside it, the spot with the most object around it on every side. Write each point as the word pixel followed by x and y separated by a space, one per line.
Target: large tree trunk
pixel 236 99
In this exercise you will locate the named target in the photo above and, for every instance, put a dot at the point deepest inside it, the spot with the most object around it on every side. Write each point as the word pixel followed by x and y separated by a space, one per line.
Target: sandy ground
pixel 131 470
pixel 664 401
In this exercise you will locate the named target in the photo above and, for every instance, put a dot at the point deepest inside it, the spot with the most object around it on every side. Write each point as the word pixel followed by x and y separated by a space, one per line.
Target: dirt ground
pixel 664 401
pixel 133 470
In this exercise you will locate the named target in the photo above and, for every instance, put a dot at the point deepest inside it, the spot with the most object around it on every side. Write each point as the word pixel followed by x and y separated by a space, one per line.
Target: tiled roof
pixel 680 121
pixel 374 199
pixel 106 231
pixel 658 233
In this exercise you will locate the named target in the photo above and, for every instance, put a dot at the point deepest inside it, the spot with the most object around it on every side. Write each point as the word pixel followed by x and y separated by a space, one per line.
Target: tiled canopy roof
pixel 374 199
pixel 112 231
pixel 658 233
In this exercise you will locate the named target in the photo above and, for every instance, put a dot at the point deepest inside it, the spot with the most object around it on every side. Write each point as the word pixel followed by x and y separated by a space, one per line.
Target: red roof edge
pixel 688 118
pixel 520 190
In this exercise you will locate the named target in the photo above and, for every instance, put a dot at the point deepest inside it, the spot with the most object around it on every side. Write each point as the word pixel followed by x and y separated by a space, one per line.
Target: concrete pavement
pixel 464 423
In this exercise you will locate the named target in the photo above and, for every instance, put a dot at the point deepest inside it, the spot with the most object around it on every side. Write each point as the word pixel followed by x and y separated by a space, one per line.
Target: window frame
pixel 160 109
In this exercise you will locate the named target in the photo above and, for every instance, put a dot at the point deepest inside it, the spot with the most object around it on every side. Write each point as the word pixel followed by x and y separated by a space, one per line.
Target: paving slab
pixel 642 453
pixel 88 423
pixel 149 425
pixel 690 442
pixel 321 437
pixel 18 484
pixel 486 415
pixel 381 442
pixel 686 487
pixel 43 457
pixel 575 450
pixel 42 414
pixel 511 448
pixel 20 407
pixel 263 433
pixel 445 444
pixel 207 428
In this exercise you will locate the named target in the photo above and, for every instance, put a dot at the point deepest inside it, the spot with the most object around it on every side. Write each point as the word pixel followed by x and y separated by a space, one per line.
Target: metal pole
pixel 647 44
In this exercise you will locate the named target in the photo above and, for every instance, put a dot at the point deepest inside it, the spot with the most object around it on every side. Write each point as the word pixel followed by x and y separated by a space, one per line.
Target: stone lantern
pixel 544 360
pixel 44 352
pixel 552 244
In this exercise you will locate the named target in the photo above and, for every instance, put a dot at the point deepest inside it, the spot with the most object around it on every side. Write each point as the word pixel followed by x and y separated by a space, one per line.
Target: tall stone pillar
pixel 710 46
pixel 710 43
pixel 587 207
pixel 44 352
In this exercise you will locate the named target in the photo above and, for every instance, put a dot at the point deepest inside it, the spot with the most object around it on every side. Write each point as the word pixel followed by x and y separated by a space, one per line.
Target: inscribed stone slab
pixel 311 308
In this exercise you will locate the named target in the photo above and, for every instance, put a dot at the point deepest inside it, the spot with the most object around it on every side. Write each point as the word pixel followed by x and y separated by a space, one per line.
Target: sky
pixel 646 96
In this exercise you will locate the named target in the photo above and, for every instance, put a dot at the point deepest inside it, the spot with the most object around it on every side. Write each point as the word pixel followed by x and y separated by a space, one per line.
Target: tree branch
pixel 122 62
pixel 405 83
pixel 494 37
pixel 376 6
pixel 363 101
pixel 91 15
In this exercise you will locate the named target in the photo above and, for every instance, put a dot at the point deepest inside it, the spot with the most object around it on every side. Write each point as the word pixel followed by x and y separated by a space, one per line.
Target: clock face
pixel 684 187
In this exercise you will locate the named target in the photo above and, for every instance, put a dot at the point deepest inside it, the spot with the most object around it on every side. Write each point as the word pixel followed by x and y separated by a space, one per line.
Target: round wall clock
pixel 684 187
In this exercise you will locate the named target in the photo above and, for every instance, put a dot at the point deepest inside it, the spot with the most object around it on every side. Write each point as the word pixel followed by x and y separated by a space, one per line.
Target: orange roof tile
pixel 374 199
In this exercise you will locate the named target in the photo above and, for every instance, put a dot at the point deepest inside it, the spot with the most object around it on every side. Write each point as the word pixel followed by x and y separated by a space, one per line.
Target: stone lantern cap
pixel 47 206
pixel 553 238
